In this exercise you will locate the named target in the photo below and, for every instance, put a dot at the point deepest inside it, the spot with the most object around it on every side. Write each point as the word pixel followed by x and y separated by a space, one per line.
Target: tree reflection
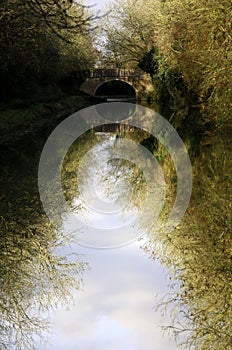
pixel 120 178
pixel 198 253
pixel 110 176
pixel 35 275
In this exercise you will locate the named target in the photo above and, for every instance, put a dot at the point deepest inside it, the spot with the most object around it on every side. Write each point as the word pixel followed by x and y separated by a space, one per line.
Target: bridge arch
pixel 137 83
pixel 115 88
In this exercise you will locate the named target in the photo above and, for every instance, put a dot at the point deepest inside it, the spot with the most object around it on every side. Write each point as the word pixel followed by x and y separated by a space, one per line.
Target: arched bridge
pixel 118 83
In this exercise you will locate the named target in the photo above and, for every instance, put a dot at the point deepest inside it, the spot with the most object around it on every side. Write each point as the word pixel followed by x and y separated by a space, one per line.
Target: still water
pixel 104 241
pixel 115 310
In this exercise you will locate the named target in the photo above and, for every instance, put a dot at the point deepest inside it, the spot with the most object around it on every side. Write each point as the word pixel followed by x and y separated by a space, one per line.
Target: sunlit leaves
pixel 196 39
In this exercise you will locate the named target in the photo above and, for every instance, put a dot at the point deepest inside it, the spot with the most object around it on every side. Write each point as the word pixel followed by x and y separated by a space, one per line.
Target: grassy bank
pixel 18 117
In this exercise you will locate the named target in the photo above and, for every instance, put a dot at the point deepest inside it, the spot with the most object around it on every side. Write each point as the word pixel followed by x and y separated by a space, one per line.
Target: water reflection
pixel 37 271
pixel 199 252
pixel 62 138
pixel 113 192
pixel 115 112
pixel 116 308
pixel 107 193
pixel 34 276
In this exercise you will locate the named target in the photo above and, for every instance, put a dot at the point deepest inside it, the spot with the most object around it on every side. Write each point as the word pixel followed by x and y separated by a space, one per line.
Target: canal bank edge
pixel 17 119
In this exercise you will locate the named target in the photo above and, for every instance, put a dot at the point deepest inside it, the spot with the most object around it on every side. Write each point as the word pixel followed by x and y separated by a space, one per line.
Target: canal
pixel 113 228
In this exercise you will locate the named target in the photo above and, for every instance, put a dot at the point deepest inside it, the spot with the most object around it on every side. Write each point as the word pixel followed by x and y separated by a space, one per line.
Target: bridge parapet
pixel 116 73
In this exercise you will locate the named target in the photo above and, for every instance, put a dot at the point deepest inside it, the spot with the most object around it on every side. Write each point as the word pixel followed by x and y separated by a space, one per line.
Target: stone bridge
pixel 119 83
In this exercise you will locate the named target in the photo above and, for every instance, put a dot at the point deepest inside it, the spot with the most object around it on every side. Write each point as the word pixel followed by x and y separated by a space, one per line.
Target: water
pixel 94 264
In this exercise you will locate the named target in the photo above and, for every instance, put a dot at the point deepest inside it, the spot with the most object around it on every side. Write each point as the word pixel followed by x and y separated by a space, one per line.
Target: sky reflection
pixel 115 309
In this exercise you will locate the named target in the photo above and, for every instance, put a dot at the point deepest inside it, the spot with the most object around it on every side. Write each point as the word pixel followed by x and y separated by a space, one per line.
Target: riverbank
pixel 19 118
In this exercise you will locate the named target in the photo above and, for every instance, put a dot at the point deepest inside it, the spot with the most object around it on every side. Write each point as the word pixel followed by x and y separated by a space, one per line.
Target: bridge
pixel 119 83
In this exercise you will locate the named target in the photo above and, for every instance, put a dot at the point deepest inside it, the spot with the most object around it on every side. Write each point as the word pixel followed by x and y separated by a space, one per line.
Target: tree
pixel 130 29
pixel 40 41
pixel 191 69
pixel 196 39
pixel 192 42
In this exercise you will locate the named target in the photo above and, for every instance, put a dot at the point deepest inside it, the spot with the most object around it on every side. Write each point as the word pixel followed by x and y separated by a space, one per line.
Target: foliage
pixel 188 53
pixel 148 62
pixel 186 47
pixel 60 15
pixel 32 49
pixel 129 29
pixel 196 39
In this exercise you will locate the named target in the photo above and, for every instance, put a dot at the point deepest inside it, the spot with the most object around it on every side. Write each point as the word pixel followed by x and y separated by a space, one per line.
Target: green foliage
pixel 150 143
pixel 148 62
pixel 21 117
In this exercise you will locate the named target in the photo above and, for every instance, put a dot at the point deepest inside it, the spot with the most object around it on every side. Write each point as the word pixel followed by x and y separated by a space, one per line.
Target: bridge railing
pixel 115 72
